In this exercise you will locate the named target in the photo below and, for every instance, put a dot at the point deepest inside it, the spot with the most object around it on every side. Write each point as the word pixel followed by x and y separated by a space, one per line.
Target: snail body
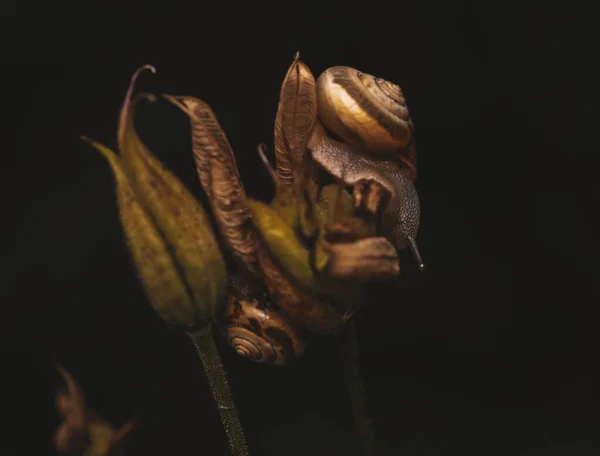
pixel 400 220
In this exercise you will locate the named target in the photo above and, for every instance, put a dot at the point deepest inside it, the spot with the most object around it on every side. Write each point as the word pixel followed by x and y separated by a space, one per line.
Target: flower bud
pixel 168 232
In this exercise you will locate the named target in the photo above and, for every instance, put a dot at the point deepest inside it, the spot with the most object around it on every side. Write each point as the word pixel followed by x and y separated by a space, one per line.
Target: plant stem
pixel 348 351
pixel 217 379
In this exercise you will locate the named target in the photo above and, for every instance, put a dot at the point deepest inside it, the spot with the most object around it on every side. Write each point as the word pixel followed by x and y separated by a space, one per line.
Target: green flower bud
pixel 168 232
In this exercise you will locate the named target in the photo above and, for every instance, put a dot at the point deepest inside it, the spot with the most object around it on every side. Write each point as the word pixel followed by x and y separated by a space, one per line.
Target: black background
pixel 491 351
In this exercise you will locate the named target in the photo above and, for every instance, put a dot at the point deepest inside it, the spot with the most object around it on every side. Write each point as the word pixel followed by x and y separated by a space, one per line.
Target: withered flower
pixel 83 431
pixel 304 260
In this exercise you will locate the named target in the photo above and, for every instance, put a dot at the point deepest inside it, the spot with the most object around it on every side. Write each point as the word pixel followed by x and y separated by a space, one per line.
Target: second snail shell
pixel 257 330
pixel 365 111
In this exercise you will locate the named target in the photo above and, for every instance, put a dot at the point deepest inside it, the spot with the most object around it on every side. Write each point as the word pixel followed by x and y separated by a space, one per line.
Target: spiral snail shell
pixel 256 329
pixel 365 111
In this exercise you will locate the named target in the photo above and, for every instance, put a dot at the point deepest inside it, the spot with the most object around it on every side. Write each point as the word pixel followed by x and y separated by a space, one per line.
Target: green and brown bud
pixel 172 243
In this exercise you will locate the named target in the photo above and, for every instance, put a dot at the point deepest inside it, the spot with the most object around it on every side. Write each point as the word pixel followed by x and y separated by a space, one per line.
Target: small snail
pixel 370 115
pixel 256 329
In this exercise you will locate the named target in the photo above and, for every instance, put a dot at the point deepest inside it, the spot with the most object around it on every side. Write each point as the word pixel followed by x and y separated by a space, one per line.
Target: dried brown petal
pixel 369 259
pixel 295 118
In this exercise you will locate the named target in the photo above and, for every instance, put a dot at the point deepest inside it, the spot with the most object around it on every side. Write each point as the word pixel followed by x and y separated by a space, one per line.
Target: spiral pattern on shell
pixel 366 112
pixel 257 330
pixel 256 347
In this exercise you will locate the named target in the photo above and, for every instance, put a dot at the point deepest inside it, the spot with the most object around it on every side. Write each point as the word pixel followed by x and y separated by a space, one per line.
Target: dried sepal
pixel 294 121
pixel 221 181
pixel 366 260
pixel 348 247
pixel 309 310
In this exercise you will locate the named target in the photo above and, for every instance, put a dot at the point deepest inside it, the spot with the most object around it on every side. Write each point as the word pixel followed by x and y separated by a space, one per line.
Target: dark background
pixel 491 351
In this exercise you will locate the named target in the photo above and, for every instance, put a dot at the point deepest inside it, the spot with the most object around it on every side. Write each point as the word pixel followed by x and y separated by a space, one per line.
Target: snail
pixel 370 116
pixel 255 328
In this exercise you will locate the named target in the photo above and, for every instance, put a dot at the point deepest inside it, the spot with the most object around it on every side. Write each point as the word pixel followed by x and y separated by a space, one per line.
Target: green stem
pixel 217 379
pixel 348 351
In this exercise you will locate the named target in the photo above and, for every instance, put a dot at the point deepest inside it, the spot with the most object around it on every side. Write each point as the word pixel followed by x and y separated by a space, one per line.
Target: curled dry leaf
pixel 348 248
pixel 219 176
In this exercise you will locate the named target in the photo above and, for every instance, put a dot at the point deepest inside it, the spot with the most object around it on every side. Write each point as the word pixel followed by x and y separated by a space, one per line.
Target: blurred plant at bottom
pixel 83 431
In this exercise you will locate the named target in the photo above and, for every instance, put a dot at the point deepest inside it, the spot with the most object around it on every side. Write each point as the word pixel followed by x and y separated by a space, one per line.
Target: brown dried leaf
pixel 221 181
pixel 369 259
pixel 295 118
